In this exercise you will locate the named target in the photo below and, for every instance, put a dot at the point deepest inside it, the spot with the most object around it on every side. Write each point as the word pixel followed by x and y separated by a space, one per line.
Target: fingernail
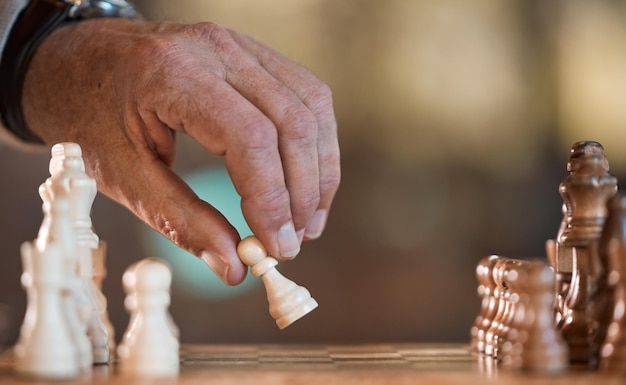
pixel 288 241
pixel 300 234
pixel 217 264
pixel 316 224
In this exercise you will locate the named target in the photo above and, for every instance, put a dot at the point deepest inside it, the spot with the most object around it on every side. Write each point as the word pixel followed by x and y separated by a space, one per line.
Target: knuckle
pixel 272 202
pixel 257 136
pixel 153 46
pixel 204 30
pixel 171 51
pixel 319 97
pixel 307 203
pixel 177 226
pixel 160 58
pixel 213 34
pixel 330 182
pixel 298 124
pixel 171 229
pixel 153 49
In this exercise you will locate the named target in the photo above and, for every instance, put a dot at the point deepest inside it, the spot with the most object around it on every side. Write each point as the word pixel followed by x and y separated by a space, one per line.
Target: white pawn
pixel 49 350
pixel 149 348
pixel 130 303
pixel 288 301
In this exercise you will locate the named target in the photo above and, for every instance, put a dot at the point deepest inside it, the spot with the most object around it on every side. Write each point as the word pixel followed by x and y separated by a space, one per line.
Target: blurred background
pixel 455 123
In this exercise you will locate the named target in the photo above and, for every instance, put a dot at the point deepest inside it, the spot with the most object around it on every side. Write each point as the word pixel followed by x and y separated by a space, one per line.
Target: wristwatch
pixel 34 23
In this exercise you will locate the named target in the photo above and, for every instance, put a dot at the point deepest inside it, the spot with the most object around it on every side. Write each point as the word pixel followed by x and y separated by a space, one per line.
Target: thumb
pixel 163 200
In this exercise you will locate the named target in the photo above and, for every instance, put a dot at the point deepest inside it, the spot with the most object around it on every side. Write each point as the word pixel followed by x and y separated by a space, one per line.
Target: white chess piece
pixel 26 280
pixel 149 348
pixel 74 299
pixel 99 275
pixel 57 227
pixel 48 350
pixel 68 174
pixel 288 301
pixel 79 306
pixel 59 152
pixel 130 303
pixel 83 191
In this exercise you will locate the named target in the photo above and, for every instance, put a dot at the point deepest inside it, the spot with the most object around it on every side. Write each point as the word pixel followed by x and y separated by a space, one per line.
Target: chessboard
pixel 389 364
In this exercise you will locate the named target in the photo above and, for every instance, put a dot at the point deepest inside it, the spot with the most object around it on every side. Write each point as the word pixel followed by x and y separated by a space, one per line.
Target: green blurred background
pixel 455 123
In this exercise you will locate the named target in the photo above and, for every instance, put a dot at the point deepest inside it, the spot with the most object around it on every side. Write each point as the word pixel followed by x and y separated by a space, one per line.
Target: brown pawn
pixel 542 347
pixel 488 305
pixel 509 348
pixel 510 280
pixel 585 193
pixel 611 317
pixel 499 294
pixel 500 324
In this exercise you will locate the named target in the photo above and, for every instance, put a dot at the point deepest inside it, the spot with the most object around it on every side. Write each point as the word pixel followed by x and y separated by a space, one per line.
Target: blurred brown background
pixel 455 122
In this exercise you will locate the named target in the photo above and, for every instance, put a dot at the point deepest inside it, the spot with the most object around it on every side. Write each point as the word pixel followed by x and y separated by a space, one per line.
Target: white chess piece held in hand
pixel 288 301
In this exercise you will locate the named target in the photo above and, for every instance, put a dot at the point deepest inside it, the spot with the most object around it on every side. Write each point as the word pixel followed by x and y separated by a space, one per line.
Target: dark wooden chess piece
pixel 563 260
pixel 610 305
pixel 510 342
pixel 523 333
pixel 489 303
pixel 512 280
pixel 501 324
pixel 500 294
pixel 585 192
pixel 542 347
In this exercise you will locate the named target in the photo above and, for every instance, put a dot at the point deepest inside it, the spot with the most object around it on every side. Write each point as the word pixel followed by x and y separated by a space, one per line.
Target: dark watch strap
pixel 33 25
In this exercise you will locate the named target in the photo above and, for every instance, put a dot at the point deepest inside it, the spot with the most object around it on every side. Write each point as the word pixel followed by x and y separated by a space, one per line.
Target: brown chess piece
pixel 501 322
pixel 610 312
pixel 585 192
pixel 542 347
pixel 510 342
pixel 559 253
pixel 488 305
pixel 511 281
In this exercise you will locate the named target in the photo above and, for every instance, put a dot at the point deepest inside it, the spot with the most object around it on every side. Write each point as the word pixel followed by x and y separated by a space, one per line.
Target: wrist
pixel 34 24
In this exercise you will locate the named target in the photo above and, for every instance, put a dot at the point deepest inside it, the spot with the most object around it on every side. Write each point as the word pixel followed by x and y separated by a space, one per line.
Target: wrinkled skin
pixel 124 89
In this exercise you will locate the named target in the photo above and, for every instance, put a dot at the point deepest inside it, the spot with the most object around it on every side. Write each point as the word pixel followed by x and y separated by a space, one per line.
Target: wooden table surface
pixel 388 364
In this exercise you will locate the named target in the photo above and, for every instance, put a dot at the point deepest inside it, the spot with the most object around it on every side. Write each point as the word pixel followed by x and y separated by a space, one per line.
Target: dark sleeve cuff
pixel 33 24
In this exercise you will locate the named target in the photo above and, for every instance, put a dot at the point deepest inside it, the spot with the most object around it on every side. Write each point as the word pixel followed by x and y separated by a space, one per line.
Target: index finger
pixel 317 96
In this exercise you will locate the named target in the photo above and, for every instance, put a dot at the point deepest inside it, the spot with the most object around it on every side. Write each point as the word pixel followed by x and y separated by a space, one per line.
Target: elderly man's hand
pixel 123 89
